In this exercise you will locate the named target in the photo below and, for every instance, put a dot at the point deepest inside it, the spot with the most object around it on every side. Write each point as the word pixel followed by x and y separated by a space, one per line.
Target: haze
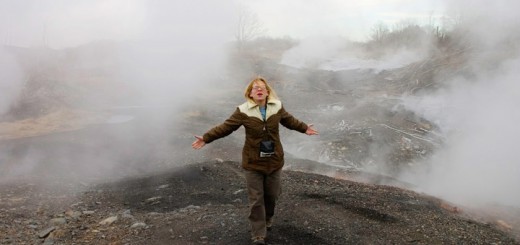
pixel 173 51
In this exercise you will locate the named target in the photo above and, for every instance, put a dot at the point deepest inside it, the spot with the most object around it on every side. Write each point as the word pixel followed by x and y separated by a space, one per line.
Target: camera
pixel 266 148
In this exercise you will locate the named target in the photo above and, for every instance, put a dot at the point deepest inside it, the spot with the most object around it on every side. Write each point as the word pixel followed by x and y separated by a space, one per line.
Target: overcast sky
pixel 350 19
pixel 62 23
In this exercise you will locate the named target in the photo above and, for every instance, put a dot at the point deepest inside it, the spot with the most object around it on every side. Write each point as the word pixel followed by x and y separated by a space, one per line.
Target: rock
pixel 504 225
pixel 88 212
pixel 138 225
pixel 163 187
pixel 46 232
pixel 76 204
pixel 127 215
pixel 58 221
pixel 108 221
pixel 153 200
pixel 449 207
pixel 48 241
pixel 189 208
pixel 73 214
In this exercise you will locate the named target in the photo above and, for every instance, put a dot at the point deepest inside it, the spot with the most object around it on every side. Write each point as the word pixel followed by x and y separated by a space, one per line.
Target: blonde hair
pixel 247 92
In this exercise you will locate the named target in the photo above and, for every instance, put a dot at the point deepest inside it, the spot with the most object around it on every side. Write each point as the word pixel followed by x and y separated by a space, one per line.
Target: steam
pixel 60 24
pixel 180 51
pixel 313 51
pixel 171 52
pixel 479 163
pixel 335 53
pixel 11 80
pixel 167 53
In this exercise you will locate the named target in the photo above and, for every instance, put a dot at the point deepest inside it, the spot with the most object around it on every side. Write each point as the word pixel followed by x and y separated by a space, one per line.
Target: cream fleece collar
pixel 252 104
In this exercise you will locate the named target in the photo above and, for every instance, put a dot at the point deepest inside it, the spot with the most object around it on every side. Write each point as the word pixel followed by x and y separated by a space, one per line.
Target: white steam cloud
pixel 11 80
pixel 314 51
pixel 335 53
pixel 479 117
pixel 181 49
pixel 164 52
pixel 480 160
pixel 61 23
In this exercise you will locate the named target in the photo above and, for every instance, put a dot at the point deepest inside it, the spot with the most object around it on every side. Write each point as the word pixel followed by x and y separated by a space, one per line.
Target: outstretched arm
pixel 198 143
pixel 310 130
pixel 222 130
pixel 291 122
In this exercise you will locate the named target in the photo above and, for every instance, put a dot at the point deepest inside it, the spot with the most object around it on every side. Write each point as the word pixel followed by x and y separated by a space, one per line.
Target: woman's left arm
pixel 290 122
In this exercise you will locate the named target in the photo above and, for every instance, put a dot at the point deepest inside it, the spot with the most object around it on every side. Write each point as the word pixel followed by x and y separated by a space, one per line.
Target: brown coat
pixel 248 115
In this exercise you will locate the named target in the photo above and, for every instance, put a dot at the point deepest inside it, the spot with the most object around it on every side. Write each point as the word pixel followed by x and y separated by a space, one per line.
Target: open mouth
pixel 259 94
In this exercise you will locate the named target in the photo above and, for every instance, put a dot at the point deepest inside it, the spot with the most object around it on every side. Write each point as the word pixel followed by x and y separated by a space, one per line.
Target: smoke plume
pixel 478 115
pixel 158 56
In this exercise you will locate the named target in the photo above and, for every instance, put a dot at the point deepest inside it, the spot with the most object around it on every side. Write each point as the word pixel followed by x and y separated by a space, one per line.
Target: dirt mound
pixel 206 203
pixel 61 120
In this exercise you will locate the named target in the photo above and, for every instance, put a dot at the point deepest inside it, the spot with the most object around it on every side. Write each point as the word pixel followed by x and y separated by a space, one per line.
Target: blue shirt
pixel 262 111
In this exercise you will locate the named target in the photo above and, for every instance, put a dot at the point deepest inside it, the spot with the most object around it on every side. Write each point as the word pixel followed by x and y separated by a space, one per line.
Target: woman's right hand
pixel 198 143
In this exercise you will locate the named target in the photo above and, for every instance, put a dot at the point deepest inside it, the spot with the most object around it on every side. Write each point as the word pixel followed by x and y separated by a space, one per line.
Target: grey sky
pixel 61 23
pixel 350 19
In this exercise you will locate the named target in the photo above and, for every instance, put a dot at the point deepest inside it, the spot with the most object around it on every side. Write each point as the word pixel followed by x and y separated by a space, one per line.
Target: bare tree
pixel 379 32
pixel 249 27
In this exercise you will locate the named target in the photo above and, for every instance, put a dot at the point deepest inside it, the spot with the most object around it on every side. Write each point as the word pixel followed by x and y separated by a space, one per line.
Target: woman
pixel 262 155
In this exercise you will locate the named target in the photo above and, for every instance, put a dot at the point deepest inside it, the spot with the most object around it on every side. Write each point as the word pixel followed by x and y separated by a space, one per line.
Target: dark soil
pixel 206 203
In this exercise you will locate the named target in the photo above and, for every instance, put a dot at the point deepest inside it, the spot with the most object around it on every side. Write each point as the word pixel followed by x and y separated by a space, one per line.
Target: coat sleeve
pixel 291 122
pixel 231 124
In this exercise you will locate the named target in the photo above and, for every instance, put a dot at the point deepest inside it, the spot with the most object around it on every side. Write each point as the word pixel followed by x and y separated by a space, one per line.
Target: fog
pixel 11 80
pixel 142 62
pixel 174 53
pixel 162 46
pixel 335 53
pixel 478 165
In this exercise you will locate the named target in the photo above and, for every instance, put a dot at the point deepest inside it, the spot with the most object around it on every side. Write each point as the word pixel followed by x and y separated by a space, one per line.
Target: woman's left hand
pixel 310 130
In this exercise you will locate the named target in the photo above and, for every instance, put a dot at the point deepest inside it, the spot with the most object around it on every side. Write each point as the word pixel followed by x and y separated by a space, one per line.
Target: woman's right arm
pixel 231 124
pixel 198 143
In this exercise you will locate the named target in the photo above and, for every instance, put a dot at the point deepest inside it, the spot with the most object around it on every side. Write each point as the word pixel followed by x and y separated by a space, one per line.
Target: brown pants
pixel 263 191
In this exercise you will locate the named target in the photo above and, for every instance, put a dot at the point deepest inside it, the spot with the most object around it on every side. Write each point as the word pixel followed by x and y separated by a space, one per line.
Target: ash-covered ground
pixel 205 203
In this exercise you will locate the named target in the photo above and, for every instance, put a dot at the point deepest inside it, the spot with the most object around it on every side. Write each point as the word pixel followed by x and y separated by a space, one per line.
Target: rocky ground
pixel 205 203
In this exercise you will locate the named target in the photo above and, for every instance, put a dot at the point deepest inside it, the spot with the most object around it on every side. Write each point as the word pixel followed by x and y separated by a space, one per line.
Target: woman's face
pixel 259 91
